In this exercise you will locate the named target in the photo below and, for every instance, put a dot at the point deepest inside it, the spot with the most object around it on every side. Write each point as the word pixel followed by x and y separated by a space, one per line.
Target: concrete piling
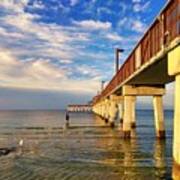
pixel 174 70
pixel 128 115
pixel 159 117
pixel 113 110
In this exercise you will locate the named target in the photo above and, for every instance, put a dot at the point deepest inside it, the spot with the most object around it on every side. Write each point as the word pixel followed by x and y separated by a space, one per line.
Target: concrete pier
pixel 145 73
pixel 79 108
pixel 176 145
pixel 106 113
pixel 120 111
pixel 133 120
pixel 113 110
pixel 174 70
pixel 159 117
pixel 157 91
pixel 129 112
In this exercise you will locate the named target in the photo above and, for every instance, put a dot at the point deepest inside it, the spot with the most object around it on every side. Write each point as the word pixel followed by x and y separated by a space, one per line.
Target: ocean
pixel 87 149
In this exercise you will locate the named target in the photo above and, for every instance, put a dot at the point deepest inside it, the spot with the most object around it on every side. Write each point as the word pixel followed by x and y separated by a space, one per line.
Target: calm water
pixel 88 149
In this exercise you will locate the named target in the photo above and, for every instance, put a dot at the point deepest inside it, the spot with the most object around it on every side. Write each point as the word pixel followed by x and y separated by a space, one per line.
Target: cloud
pixel 104 10
pixel 47 40
pixel 138 26
pixel 93 25
pixel 14 5
pixel 114 37
pixel 43 57
pixel 4 33
pixel 124 7
pixel 40 74
pixel 38 5
pixel 123 21
pixel 73 2
pixel 136 1
pixel 132 24
pixel 141 7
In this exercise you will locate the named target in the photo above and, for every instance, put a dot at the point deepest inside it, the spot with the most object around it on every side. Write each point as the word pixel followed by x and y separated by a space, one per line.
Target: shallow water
pixel 88 149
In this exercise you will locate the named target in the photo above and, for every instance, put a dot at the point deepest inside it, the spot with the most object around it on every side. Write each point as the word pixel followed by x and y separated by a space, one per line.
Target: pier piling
pixel 159 116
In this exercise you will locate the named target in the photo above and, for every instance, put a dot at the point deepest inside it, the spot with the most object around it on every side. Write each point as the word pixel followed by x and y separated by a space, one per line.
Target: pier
pixel 79 108
pixel 153 63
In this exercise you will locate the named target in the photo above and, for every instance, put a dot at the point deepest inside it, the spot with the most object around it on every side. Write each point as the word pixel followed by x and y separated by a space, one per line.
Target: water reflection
pixel 87 150
pixel 131 157
pixel 159 158
pixel 176 172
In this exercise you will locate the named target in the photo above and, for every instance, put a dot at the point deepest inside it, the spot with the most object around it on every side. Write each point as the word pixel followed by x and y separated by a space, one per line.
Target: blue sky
pixel 55 52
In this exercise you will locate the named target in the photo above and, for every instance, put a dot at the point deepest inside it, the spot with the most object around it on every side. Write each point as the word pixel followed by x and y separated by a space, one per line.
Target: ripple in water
pixel 88 149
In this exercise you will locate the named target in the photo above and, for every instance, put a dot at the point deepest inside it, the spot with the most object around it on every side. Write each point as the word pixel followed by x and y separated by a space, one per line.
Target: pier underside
pixel 157 73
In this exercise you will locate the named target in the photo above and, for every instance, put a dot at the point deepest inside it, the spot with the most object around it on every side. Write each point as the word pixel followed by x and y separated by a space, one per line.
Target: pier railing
pixel 161 33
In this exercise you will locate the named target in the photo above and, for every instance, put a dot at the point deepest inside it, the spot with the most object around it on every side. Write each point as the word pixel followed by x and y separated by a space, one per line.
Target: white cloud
pixel 73 2
pixel 124 7
pixel 38 5
pixel 22 35
pixel 93 25
pixel 123 21
pixel 102 10
pixel 136 1
pixel 87 70
pixel 114 37
pixel 66 61
pixel 39 74
pixel 47 39
pixel 14 35
pixel 132 24
pixel 141 8
pixel 138 26
pixel 14 5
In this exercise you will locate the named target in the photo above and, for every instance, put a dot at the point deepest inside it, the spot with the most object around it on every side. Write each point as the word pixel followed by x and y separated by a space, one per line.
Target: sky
pixel 57 52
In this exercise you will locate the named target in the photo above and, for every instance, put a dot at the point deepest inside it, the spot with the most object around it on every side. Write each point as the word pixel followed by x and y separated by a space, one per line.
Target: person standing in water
pixel 67 119
pixel 67 116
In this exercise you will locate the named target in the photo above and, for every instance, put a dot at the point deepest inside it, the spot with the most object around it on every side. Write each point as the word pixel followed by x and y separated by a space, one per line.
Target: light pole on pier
pixel 102 85
pixel 117 52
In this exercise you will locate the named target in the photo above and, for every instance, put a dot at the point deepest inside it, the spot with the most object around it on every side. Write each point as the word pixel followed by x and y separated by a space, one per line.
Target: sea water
pixel 86 149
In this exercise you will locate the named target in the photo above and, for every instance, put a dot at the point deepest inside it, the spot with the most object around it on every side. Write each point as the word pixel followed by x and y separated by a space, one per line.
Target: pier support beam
pixel 174 70
pixel 176 141
pixel 104 110
pixel 133 120
pixel 159 117
pixel 107 107
pixel 129 115
pixel 130 92
pixel 113 110
pixel 120 112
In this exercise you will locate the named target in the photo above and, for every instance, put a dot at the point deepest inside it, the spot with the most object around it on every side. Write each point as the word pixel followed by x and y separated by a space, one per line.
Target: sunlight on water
pixel 87 149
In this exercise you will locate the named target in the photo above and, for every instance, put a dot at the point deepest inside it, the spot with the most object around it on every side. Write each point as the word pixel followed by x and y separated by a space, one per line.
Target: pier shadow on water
pixel 87 149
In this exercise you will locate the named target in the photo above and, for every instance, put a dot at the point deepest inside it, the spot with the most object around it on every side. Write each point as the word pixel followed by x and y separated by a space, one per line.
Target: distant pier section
pixel 79 108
